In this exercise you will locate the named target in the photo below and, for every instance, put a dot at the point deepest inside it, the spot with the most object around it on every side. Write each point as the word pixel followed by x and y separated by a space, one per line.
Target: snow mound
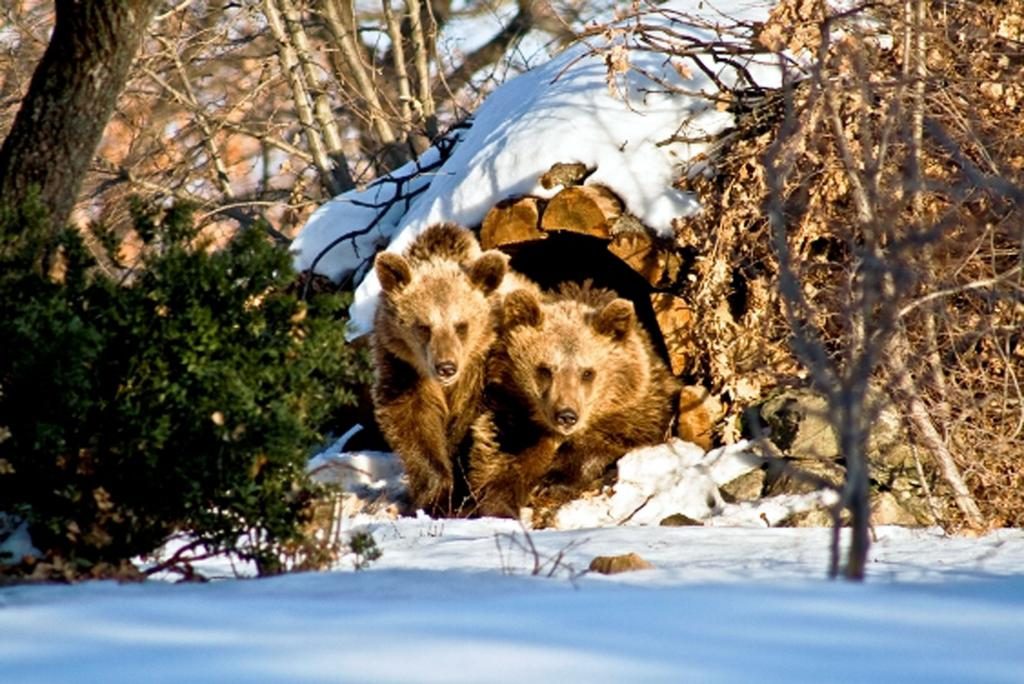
pixel 371 482
pixel 676 478
pixel 369 474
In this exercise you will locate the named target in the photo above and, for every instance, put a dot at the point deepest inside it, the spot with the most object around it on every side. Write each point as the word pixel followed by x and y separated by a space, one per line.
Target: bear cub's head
pixel 437 313
pixel 576 357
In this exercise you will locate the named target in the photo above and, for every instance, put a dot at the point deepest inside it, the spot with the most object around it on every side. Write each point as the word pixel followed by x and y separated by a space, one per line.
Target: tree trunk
pixel 854 434
pixel 71 97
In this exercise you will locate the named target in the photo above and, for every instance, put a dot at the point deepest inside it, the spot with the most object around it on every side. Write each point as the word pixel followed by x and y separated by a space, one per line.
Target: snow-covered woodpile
pixel 666 198
pixel 580 233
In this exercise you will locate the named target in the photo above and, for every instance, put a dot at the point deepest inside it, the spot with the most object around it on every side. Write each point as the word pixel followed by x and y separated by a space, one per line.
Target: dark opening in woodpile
pixel 573 257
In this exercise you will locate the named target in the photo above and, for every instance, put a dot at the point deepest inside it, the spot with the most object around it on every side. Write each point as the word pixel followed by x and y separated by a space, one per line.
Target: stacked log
pixel 511 222
pixel 587 209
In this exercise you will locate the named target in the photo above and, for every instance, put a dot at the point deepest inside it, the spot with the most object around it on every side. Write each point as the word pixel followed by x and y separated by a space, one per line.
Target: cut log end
pixel 698 413
pixel 658 265
pixel 510 222
pixel 587 209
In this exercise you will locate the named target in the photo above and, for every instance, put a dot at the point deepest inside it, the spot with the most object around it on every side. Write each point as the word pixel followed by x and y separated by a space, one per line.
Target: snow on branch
pixel 326 246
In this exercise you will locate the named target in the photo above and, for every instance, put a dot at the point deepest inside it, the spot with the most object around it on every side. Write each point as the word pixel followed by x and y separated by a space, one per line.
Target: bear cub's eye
pixel 543 373
pixel 462 329
pixel 587 374
pixel 422 331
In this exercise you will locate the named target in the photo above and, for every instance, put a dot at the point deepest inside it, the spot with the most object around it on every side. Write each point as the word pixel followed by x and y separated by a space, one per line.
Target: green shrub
pixel 185 396
pixel 364 547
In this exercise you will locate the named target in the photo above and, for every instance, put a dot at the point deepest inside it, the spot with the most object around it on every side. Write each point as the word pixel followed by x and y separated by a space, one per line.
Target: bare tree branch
pixel 321 104
pixel 290 64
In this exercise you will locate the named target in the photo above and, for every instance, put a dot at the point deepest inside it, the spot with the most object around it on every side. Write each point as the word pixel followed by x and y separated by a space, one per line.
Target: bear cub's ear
pixel 616 319
pixel 521 308
pixel 393 271
pixel 489 270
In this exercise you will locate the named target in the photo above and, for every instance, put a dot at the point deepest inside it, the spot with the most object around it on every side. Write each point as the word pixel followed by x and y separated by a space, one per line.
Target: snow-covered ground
pixel 488 601
pixel 730 600
pixel 454 601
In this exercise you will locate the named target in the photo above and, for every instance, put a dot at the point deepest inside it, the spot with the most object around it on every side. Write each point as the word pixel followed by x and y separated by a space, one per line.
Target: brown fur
pixel 573 384
pixel 434 326
pixel 444 241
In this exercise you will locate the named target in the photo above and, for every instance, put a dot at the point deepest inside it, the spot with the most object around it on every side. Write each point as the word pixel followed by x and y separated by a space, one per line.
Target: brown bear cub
pixel 434 326
pixel 573 384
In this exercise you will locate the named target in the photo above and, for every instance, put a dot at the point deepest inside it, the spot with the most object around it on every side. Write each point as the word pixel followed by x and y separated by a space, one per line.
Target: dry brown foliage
pixel 950 214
